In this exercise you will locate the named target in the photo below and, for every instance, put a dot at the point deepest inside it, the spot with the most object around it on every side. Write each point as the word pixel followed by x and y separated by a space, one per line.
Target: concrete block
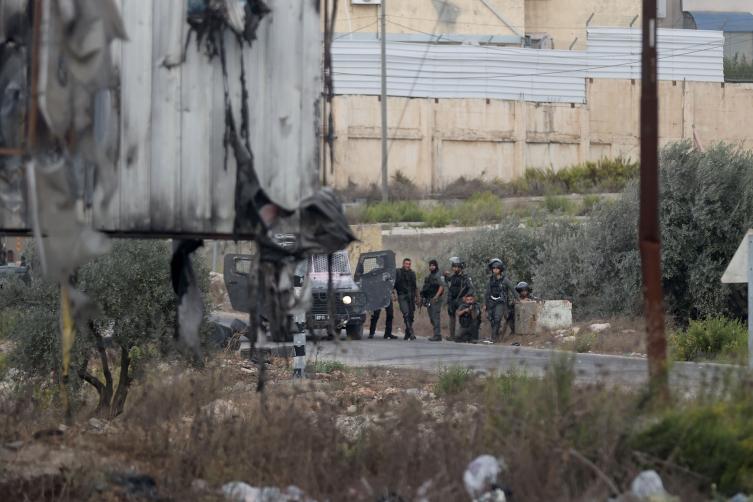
pixel 536 317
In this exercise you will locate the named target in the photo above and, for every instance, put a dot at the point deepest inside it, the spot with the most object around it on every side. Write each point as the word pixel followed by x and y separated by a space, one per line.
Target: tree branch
pixel 103 357
pixel 91 379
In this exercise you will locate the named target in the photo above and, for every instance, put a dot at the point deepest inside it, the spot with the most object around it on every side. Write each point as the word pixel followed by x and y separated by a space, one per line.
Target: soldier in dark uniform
pixel 390 310
pixel 459 285
pixel 496 303
pixel 525 290
pixel 432 297
pixel 407 296
pixel 469 315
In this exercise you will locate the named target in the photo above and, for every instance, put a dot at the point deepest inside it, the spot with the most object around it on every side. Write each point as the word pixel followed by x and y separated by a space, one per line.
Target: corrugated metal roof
pixel 434 71
pixel 723 21
pixel 682 54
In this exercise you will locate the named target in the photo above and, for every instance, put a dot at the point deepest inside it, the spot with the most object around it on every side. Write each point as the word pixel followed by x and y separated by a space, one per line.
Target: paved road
pixel 422 354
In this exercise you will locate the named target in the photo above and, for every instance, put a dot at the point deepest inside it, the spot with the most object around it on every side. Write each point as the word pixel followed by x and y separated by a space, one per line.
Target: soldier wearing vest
pixel 459 285
pixel 526 292
pixel 496 303
pixel 469 315
pixel 407 296
pixel 432 297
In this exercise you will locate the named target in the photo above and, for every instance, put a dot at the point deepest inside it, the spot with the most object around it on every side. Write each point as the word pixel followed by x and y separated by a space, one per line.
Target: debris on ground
pixel 238 491
pixel 481 474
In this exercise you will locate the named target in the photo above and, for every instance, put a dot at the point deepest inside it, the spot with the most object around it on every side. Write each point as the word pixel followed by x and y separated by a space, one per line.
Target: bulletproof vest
pixel 456 285
pixel 466 320
pixel 431 285
pixel 497 288
pixel 403 282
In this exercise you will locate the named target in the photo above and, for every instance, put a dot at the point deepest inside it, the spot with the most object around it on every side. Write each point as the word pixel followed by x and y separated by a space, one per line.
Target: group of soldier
pixel 461 301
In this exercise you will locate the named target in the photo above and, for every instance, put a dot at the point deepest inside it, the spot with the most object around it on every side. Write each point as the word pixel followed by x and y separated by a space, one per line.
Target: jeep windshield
pixel 317 268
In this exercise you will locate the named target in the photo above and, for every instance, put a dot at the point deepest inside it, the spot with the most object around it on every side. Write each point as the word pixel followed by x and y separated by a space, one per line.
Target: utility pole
pixel 649 235
pixel 385 181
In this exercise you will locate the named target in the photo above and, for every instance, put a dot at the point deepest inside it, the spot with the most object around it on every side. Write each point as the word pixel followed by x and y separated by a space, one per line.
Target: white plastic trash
pixel 648 484
pixel 480 474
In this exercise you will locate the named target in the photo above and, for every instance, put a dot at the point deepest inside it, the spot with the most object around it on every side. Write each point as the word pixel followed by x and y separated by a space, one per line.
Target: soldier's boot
pixel 452 329
pixel 436 338
pixel 388 329
pixel 409 331
pixel 495 332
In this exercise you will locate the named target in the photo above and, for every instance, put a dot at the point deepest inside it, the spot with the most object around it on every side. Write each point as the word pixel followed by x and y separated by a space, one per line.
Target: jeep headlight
pixel 347 300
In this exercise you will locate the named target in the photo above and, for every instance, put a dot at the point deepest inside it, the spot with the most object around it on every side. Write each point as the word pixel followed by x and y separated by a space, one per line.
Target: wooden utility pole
pixel 385 180
pixel 650 238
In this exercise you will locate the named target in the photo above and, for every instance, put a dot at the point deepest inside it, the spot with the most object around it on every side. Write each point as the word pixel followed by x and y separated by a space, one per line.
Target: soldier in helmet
pixel 431 293
pixel 459 285
pixel 526 292
pixel 496 299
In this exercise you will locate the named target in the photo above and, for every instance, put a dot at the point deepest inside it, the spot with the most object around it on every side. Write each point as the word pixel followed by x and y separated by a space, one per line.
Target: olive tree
pixel 133 290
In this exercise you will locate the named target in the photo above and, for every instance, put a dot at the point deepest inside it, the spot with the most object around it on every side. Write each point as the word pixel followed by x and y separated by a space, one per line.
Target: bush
pixel 439 216
pixel 709 338
pixel 393 212
pixel 325 366
pixel 452 379
pixel 482 207
pixel 712 436
pixel 558 204
pixel 133 289
pixel 706 206
pixel 738 70
pixel 584 342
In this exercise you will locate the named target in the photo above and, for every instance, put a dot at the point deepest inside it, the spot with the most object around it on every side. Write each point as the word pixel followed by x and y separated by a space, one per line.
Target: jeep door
pixel 375 274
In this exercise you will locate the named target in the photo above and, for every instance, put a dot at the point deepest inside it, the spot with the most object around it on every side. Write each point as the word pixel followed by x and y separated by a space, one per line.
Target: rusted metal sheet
pixel 174 176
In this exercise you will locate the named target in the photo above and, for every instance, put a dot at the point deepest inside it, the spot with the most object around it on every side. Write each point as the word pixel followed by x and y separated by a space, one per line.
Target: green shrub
pixel 482 207
pixel 711 337
pixel 393 212
pixel 584 342
pixel 738 70
pixel 452 379
pixel 505 384
pixel 323 366
pixel 439 216
pixel 714 439
pixel 7 322
pixel 558 204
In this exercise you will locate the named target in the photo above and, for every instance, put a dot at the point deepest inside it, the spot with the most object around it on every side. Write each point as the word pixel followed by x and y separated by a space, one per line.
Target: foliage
pixel 558 204
pixel 393 212
pixel 606 175
pixel 504 384
pixel 584 342
pixel 325 366
pixel 712 436
pixel 706 206
pixel 710 337
pixel 133 290
pixel 481 207
pixel 452 379
pixel 439 216
pixel 738 70
pixel 515 246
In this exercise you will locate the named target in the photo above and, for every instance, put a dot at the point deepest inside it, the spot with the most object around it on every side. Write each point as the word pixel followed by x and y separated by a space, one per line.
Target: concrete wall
pixel 440 140
pixel 565 20
pixel 469 17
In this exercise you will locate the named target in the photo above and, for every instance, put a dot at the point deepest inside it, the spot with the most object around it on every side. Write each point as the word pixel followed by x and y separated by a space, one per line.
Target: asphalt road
pixel 430 356
pixel 422 354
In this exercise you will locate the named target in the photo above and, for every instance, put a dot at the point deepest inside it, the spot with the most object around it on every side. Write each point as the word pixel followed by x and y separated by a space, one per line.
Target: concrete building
pixel 423 18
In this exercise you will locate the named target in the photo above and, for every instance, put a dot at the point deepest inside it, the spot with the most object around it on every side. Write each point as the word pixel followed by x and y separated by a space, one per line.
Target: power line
pixel 343 35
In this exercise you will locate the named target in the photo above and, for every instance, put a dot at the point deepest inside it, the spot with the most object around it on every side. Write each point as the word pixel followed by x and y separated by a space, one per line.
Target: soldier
pixel 469 314
pixel 432 297
pixel 390 310
pixel 496 300
pixel 407 296
pixel 526 291
pixel 459 285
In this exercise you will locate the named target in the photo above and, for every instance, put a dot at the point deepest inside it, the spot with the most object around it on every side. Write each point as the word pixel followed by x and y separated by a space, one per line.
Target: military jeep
pixel 369 290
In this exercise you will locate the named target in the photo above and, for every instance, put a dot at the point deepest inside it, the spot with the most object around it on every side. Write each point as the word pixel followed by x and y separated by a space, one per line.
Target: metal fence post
pixel 299 360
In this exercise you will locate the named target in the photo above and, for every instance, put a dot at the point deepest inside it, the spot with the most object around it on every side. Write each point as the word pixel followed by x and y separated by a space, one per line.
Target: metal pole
pixel 750 302
pixel 650 238
pixel 214 257
pixel 385 180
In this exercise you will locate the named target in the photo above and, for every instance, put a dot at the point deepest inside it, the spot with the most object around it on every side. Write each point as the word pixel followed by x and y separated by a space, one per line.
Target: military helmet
pixel 457 262
pixel 523 285
pixel 496 263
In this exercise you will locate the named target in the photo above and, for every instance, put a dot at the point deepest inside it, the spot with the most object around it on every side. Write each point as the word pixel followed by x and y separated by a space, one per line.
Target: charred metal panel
pixel 173 172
